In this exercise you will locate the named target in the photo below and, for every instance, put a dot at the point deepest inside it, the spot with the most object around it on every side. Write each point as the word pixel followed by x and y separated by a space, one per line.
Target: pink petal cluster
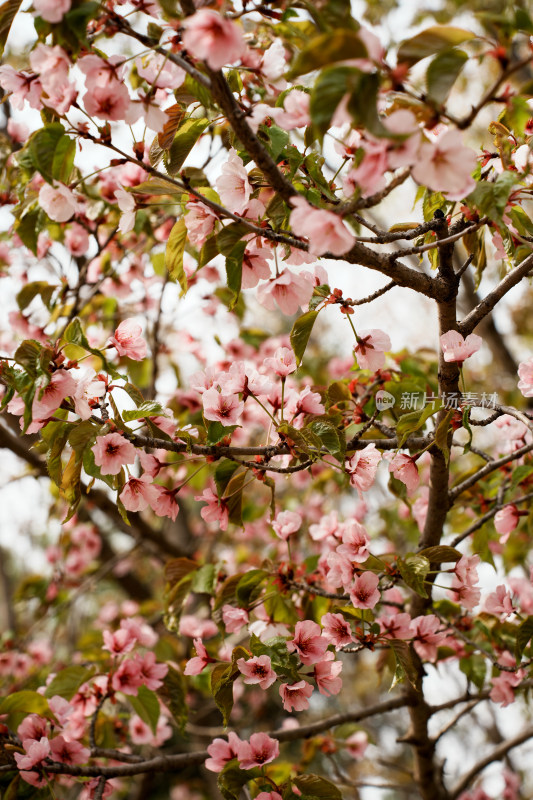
pixel 128 340
pixel 326 674
pixel 197 664
pixel 308 642
pixel 216 509
pixel 404 469
pixel 296 696
pixel 61 385
pixel 370 349
pixel 112 452
pixel 337 630
pixel 58 201
pixel 215 40
pixel 222 751
pixel 139 493
pixel 257 670
pixel 287 523
pixel 525 373
pixel 288 290
pixel 326 231
pixel 233 618
pixel 446 165
pixel 505 521
pixel 226 409
pixel 261 749
pixel 283 362
pixel 364 592
pixel 456 348
pixel 52 10
pixel 362 468
pixel 233 185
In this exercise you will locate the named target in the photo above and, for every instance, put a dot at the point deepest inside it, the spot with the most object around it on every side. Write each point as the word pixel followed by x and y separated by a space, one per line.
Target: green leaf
pixel 178 568
pixel 67 682
pixel 491 198
pixel 146 409
pixel 217 431
pixel 414 420
pixel 173 693
pixel 442 433
pixel 28 355
pixel 316 786
pixel 28 227
pixel 340 45
pixel 174 254
pixel 466 426
pixel 76 21
pixel 329 89
pixel 301 331
pixel 223 472
pixel 146 705
pixel 233 497
pixel 414 569
pixel 363 105
pixel 57 445
pixel 443 72
pixel 440 553
pixel 250 587
pixel 12 791
pixel 41 289
pixel 404 662
pixel 52 152
pixel 234 271
pixel 26 701
pixel 519 474
pixel 474 667
pixel 232 778
pixel 329 436
pixel 222 679
pixel 8 12
pixel 229 236
pixel 523 636
pixel 430 41
pixel 186 137
pixel 204 580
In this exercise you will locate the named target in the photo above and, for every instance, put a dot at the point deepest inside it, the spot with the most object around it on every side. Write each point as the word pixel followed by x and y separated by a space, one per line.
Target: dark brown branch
pixel 496 755
pixel 486 470
pixel 514 277
pixel 373 199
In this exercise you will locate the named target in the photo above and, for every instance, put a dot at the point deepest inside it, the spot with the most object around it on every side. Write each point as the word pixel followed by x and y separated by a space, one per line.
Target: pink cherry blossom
pixel 446 165
pixel 268 796
pixel 197 628
pixel 22 86
pixel 226 409
pixel 355 542
pixel 356 744
pixel 19 132
pixel 287 523
pixel 324 229
pixel 128 340
pixel 195 665
pixel 111 102
pixel 112 452
pixel 58 201
pixel 52 10
pixel 288 290
pixel 255 266
pixel 296 696
pixel 119 642
pixel 216 509
pixel 233 185
pixel 35 752
pixel 427 634
pixel 295 112
pixel 152 673
pixel 404 469
pixel 166 503
pixel 525 372
pixel 364 592
pixel 127 678
pixel 369 176
pixel 257 670
pixel 308 642
pixel 326 674
pixel 53 65
pixel 68 752
pixel 362 468
pixel 370 349
pixel 307 402
pixel 456 348
pixel 88 388
pixel 77 240
pixel 222 751
pixel 403 153
pixel 505 521
pixel 234 618
pixel 101 72
pixel 215 40
pixel 160 72
pixel 139 493
pixel 127 205
pixel 283 362
pixel 499 602
pixel 337 630
pixel 61 385
pixel 261 749
pixel 199 222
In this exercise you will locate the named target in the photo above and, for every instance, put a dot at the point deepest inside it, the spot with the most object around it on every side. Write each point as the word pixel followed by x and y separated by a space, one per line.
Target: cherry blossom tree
pixel 284 556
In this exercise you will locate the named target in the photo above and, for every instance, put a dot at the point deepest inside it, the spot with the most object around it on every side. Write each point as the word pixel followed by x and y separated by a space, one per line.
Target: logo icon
pixel 384 400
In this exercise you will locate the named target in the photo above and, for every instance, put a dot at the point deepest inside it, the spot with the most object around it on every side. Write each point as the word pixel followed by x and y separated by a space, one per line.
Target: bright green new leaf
pixel 442 73
pixel 27 701
pixel 174 254
pixel 340 45
pixel 430 41
pixel 146 705
pixel 184 141
pixel 301 331
pixel 67 682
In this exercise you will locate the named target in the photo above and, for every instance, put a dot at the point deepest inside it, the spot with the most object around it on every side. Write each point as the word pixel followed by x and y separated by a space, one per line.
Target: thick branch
pixel 496 755
pixel 490 301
